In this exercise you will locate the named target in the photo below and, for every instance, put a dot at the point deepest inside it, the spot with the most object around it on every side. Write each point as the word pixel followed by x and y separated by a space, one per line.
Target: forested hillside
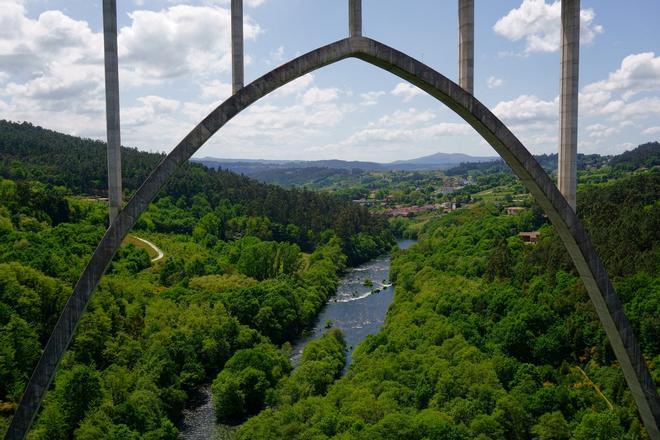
pixel 490 338
pixel 301 216
pixel 247 267
pixel 487 337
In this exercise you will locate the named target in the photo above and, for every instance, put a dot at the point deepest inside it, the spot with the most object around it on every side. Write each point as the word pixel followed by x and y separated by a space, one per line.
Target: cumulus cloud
pixel 539 24
pixel 637 73
pixel 316 95
pixel 494 82
pixel 403 129
pixel 610 108
pixel 601 131
pixel 406 91
pixel 404 118
pixel 371 98
pixel 216 90
pixel 618 96
pixel 532 119
pixel 652 130
pixel 54 63
pixel 179 40
pixel 525 109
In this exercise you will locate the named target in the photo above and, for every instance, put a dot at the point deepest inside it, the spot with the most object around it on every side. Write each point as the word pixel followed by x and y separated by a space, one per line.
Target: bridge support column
pixel 237 63
pixel 112 106
pixel 568 99
pixel 466 44
pixel 355 18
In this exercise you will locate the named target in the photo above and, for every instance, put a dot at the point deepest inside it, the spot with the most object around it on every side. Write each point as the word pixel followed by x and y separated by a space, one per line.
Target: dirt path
pixel 159 252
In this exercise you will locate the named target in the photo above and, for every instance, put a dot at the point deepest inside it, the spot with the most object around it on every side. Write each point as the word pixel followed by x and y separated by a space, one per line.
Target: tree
pixel 551 426
pixel 598 426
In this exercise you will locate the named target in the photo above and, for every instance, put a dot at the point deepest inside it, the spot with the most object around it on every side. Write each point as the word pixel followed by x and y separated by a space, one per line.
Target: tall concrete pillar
pixel 355 18
pixel 237 63
pixel 112 106
pixel 466 44
pixel 568 99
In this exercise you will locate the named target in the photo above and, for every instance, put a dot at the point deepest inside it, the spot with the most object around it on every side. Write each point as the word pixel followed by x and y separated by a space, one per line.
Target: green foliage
pixel 269 259
pixel 322 362
pixel 551 426
pixel 151 333
pixel 130 259
pixel 646 155
pixel 599 426
pixel 485 336
pixel 77 392
pixel 242 388
pixel 210 204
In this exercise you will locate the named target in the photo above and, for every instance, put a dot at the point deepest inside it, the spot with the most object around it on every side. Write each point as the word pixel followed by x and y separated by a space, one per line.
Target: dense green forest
pixel 487 337
pixel 247 268
pixel 547 161
pixel 79 165
pixel 490 338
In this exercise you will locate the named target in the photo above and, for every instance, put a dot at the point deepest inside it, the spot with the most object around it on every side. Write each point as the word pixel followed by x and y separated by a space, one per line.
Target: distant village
pixel 393 209
pixel 389 206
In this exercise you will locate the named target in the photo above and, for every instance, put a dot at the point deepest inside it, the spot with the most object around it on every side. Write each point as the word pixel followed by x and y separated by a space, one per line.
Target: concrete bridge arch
pixel 560 213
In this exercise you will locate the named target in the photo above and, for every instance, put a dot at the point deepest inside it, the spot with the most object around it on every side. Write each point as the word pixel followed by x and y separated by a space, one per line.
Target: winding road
pixel 152 246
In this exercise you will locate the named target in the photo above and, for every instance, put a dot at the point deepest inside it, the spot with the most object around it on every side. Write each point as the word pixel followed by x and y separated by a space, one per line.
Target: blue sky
pixel 174 59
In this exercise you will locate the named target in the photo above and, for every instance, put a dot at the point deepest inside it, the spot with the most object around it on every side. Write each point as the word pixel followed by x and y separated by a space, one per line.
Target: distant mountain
pixel 258 166
pixel 443 159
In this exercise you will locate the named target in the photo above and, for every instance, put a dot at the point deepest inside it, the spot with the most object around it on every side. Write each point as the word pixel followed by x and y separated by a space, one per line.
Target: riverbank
pixel 355 308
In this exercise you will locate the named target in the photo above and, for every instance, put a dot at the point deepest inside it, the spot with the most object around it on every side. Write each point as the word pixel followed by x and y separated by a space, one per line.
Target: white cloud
pixel 494 82
pixel 295 87
pixel 164 44
pixel 404 129
pixel 652 130
pixel 616 97
pixel 317 95
pixel 406 91
pixel 276 57
pixel 216 90
pixel 371 98
pixel 539 24
pixel 600 131
pixel 526 109
pixel 30 45
pixel 407 118
pixel 52 65
pixel 642 108
pixel 249 3
pixel 610 109
pixel 149 108
pixel 637 73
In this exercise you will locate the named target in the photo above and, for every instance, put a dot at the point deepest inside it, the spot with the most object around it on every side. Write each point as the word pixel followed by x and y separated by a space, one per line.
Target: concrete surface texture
pixel 237 63
pixel 466 44
pixel 540 185
pixel 568 99
pixel 112 107
pixel 355 18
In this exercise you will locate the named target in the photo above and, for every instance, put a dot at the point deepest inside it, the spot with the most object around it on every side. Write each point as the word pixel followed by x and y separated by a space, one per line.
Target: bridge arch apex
pixel 524 165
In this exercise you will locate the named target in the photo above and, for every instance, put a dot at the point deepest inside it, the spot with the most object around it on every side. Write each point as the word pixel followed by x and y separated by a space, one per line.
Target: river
pixel 357 309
